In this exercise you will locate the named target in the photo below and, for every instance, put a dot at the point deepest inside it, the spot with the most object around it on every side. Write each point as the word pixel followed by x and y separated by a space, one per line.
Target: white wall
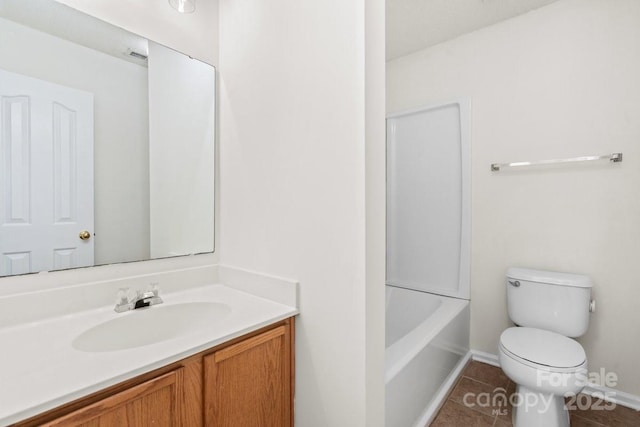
pixel 121 168
pixel 561 81
pixel 375 186
pixel 304 193
pixel 295 200
pixel 181 156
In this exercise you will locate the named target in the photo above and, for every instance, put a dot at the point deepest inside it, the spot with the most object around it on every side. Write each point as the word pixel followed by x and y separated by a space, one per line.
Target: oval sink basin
pixel 151 325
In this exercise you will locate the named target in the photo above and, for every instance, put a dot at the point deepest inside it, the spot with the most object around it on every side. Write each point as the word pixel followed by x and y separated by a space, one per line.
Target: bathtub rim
pixel 405 349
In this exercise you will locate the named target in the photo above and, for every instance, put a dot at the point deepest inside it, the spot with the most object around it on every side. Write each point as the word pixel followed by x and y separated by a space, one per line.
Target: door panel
pixel 16 263
pixel 15 151
pixel 46 149
pixel 64 163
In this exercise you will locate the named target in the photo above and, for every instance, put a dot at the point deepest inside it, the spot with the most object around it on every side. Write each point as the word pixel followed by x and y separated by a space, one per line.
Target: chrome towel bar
pixel 614 157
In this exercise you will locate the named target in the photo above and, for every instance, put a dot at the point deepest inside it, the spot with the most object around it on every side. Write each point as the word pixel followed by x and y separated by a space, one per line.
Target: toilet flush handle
pixel 592 306
pixel 515 283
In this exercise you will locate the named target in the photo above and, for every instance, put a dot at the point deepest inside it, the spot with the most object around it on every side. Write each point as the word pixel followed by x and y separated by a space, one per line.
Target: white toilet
pixel 538 356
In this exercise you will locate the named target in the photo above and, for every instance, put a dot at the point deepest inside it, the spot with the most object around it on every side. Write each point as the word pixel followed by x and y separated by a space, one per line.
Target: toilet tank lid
pixel 551 277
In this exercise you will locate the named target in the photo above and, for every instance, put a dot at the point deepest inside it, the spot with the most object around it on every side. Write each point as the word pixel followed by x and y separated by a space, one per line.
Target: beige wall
pixel 561 81
pixel 293 185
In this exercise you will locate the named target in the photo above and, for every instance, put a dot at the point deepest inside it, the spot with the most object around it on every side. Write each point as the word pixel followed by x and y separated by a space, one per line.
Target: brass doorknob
pixel 85 235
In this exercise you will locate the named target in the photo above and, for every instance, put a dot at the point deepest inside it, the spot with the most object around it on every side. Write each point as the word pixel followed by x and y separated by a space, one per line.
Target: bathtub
pixel 427 345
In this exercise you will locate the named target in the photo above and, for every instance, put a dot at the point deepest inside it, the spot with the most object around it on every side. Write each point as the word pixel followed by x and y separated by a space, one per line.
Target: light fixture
pixel 183 6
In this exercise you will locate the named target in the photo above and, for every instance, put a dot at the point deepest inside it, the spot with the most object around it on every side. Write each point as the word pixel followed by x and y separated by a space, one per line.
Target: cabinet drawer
pixel 155 402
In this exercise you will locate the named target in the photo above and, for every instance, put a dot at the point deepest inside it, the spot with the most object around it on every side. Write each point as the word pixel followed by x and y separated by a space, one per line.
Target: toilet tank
pixel 548 300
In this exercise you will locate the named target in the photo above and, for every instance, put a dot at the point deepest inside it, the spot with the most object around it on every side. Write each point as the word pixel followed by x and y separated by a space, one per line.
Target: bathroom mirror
pixel 106 143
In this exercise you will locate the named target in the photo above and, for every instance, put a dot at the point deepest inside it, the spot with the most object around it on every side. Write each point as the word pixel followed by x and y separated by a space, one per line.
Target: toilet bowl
pixel 546 367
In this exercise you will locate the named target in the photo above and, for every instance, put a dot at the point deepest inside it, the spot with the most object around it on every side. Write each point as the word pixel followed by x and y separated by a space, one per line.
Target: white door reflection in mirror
pixel 46 158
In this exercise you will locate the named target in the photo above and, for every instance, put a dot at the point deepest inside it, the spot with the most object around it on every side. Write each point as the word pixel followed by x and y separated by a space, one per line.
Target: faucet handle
pixel 122 297
pixel 153 287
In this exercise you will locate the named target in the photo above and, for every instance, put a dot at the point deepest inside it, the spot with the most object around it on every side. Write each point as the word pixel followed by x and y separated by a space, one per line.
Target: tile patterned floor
pixel 489 406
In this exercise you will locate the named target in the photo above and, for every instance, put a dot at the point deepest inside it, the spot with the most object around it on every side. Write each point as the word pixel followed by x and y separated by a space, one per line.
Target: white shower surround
pixel 429 199
pixel 428 258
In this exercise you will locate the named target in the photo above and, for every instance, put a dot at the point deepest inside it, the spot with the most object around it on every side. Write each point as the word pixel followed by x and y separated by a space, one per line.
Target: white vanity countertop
pixel 40 369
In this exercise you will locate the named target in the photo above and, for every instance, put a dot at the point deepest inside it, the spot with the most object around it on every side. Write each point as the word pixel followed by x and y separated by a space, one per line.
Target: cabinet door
pixel 155 402
pixel 248 384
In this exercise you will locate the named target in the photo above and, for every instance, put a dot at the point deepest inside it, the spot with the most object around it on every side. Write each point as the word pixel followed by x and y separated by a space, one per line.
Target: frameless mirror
pixel 106 143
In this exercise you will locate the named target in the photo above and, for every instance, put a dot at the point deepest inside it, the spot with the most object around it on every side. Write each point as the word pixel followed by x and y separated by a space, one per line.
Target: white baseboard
pixel 488 358
pixel 612 395
pixel 608 394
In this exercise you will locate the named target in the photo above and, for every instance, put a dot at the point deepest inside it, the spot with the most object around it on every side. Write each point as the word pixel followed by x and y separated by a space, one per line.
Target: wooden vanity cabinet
pixel 154 402
pixel 247 381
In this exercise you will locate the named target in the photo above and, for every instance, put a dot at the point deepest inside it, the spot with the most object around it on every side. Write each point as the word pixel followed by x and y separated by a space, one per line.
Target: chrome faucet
pixel 140 300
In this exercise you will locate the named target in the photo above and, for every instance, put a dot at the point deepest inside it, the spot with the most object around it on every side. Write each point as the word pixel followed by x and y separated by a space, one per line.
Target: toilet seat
pixel 542 349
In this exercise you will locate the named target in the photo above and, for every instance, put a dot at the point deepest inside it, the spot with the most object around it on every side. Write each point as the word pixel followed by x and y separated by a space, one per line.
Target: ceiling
pixel 414 25
pixel 62 21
